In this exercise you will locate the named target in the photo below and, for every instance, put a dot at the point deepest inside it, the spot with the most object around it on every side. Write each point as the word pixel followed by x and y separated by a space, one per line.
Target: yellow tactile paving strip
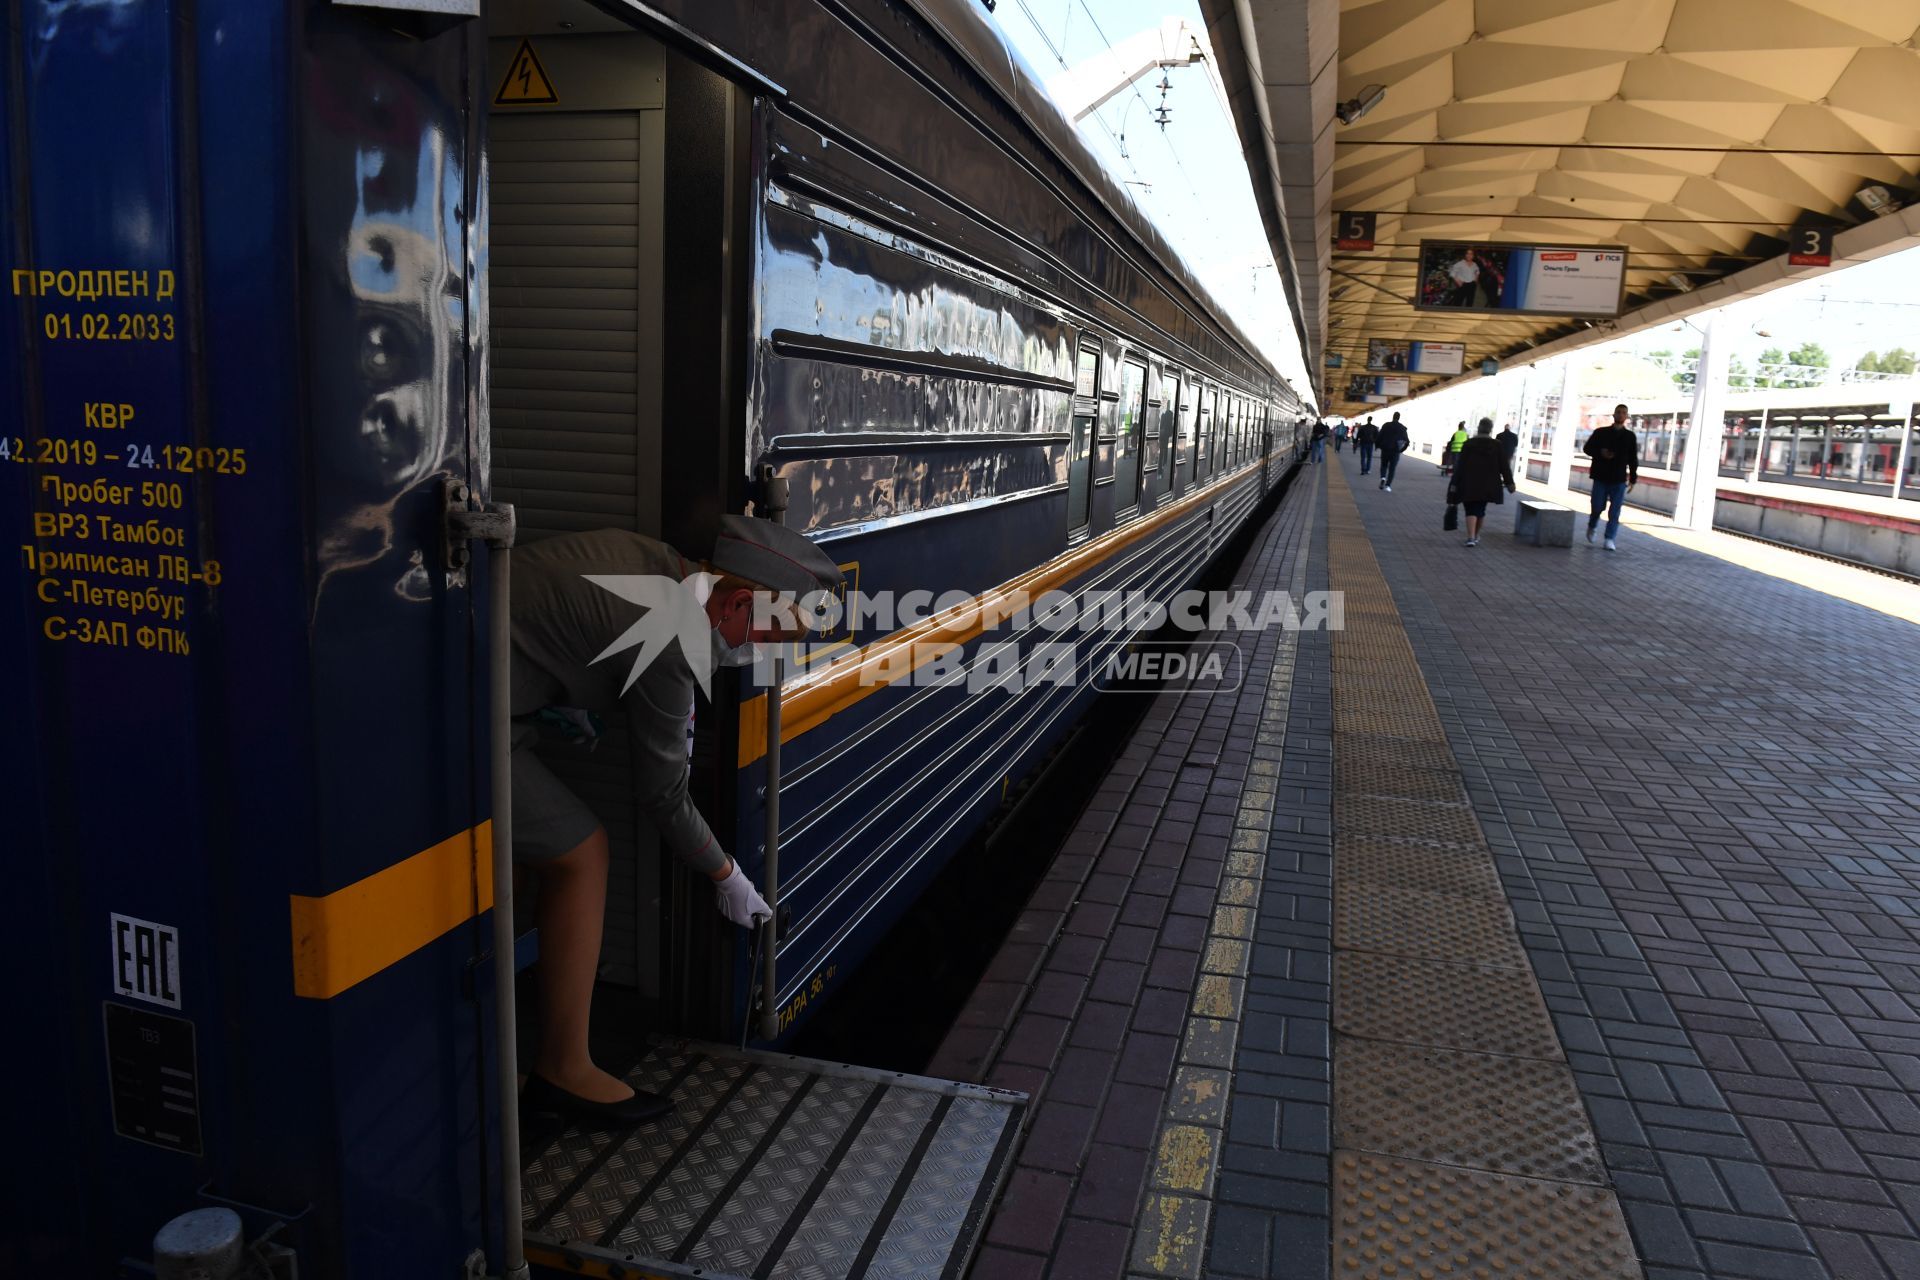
pixel 1170 1237
pixel 1461 1147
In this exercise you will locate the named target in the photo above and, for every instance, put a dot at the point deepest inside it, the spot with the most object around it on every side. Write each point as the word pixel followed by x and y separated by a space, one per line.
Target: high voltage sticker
pixel 526 83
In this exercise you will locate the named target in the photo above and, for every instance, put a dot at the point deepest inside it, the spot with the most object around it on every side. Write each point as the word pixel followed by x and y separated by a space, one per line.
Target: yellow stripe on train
pixel 811 700
pixel 353 933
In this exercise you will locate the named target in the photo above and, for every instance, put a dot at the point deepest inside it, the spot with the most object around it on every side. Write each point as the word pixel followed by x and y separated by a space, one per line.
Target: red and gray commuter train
pixel 283 274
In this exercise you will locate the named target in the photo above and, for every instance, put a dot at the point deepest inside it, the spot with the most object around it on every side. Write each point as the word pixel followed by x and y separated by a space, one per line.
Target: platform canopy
pixel 1699 134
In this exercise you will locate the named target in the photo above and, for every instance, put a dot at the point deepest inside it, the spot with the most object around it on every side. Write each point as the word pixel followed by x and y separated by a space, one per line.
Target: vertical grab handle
pixel 773 493
pixel 494 525
pixel 770 939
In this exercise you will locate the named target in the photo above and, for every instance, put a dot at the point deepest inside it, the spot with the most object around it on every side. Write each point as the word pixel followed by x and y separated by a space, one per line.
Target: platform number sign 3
pixel 146 961
pixel 1353 230
pixel 1812 247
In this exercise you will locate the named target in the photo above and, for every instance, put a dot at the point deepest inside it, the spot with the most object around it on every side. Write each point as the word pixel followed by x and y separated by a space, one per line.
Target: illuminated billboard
pixel 1531 279
pixel 1395 355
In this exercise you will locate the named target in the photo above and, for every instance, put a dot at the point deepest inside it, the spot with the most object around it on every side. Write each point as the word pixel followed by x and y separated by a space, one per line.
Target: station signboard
pixel 1812 247
pixel 1371 390
pixel 1353 232
pixel 1553 280
pixel 1396 355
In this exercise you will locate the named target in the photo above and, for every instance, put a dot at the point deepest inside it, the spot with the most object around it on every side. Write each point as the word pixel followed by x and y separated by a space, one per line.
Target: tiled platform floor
pixel 1124 997
pixel 1701 787
pixel 1704 782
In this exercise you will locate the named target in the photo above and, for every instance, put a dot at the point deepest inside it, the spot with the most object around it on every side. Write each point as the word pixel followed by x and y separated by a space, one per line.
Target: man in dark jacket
pixel 1394 441
pixel 1480 476
pixel 1319 441
pixel 1364 440
pixel 1509 443
pixel 1616 469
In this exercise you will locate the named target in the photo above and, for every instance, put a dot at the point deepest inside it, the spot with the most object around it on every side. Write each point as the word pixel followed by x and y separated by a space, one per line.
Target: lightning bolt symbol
pixel 526 76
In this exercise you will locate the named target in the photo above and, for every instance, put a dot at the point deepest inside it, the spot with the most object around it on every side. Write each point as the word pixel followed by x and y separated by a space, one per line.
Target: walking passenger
pixel 1452 451
pixel 1509 444
pixel 1364 441
pixel 1616 469
pixel 1319 442
pixel 1480 476
pixel 1394 441
pixel 1340 437
pixel 564 623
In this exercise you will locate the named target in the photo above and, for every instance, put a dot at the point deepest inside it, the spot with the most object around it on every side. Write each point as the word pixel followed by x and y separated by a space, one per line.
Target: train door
pixel 1086 430
pixel 1128 431
pixel 575 289
pixel 592 125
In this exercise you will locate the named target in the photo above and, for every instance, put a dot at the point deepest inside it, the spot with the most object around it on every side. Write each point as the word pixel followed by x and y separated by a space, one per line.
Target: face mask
pixel 739 655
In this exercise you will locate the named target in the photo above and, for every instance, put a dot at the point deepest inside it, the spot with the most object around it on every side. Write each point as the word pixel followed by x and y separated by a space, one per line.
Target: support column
pixel 1565 423
pixel 1700 472
pixel 1903 405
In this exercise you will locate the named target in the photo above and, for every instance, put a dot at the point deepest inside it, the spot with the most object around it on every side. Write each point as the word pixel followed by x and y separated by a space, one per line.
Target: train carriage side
pixel 969 403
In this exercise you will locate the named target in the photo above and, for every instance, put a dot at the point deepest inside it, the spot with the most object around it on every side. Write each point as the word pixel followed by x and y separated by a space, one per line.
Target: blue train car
pixel 282 275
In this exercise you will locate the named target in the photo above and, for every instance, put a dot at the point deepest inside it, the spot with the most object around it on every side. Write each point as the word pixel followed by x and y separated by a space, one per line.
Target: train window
pixel 1184 453
pixel 1126 449
pixel 1086 423
pixel 1086 383
pixel 1203 443
pixel 1159 428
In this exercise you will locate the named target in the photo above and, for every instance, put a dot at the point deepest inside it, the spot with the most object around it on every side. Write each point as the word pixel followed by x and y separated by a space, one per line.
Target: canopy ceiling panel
pixel 1698 133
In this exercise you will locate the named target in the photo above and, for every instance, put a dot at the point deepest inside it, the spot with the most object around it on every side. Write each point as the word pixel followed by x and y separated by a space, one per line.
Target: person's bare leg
pixel 573 902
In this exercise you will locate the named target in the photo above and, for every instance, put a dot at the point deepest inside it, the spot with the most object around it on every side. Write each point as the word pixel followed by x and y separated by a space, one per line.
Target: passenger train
pixel 1855 437
pixel 288 279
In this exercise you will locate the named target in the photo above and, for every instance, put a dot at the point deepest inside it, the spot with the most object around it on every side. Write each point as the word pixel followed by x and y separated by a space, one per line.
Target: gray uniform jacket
pixel 561 622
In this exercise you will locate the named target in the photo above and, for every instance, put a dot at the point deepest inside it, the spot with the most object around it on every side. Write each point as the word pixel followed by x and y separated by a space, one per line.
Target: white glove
pixel 739 901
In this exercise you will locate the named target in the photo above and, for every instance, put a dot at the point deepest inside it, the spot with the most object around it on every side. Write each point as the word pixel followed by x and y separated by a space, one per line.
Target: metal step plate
pixel 774 1168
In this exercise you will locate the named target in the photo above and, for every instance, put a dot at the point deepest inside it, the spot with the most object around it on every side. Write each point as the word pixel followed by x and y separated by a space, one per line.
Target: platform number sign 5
pixel 146 960
pixel 1353 230
pixel 1811 247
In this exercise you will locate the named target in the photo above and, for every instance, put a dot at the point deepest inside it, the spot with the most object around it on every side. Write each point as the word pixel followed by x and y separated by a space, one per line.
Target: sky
pixel 1850 311
pixel 1190 179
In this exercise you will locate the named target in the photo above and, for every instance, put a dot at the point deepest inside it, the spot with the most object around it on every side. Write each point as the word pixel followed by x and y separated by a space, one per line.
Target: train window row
pixel 1179 436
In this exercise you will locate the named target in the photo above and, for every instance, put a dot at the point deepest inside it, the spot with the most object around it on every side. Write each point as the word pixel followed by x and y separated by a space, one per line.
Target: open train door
pixel 621 189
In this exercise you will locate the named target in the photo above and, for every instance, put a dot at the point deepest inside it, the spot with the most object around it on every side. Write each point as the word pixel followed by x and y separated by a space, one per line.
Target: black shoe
pixel 542 1095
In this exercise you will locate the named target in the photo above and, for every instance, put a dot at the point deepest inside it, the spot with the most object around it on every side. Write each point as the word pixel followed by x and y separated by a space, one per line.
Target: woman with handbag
pixel 1480 476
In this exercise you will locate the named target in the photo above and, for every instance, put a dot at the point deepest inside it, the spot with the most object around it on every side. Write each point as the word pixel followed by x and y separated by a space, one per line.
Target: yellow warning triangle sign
pixel 526 83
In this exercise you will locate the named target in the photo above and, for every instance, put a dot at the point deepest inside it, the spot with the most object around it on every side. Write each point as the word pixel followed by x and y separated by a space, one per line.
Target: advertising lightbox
pixel 1554 280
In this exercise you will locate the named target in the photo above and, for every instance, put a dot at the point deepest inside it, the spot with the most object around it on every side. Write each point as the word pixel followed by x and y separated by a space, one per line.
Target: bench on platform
pixel 1544 524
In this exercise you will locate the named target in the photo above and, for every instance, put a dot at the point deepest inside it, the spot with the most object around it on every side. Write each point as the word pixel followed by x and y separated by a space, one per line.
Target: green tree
pixel 1869 363
pixel 1812 355
pixel 1899 360
pixel 1770 361
pixel 1683 376
pixel 1738 375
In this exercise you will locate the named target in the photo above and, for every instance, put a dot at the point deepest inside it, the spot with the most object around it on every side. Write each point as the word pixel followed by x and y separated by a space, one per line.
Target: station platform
pixel 1874 530
pixel 1558 914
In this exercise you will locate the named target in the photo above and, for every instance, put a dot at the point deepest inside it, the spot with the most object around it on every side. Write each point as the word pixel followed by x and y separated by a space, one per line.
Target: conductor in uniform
pixel 603 621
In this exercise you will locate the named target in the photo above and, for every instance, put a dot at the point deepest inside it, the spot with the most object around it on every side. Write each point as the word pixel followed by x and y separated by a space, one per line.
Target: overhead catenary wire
pixel 1200 206
pixel 1033 20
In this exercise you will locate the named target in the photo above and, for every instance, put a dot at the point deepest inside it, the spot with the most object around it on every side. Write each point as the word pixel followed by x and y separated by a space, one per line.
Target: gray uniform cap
pixel 773 556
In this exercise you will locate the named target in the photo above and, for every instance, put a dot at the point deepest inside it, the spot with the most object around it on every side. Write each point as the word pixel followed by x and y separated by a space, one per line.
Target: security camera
pixel 1878 200
pixel 1366 100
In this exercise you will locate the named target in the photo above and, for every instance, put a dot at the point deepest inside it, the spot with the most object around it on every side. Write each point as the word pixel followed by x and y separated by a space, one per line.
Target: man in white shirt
pixel 1466 280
